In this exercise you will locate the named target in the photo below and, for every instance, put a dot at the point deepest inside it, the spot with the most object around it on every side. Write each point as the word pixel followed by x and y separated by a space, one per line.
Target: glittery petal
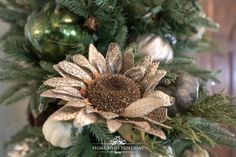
pixel 97 59
pixel 83 62
pixel 147 61
pixel 136 73
pixel 78 103
pixel 154 80
pixel 67 91
pixel 83 119
pixel 114 58
pixel 142 124
pixel 66 113
pixel 60 71
pixel 161 95
pixel 157 122
pixel 143 106
pixel 108 115
pixel 126 132
pixel 90 109
pixel 51 94
pixel 75 70
pixel 113 125
pixel 150 73
pixel 127 61
pixel 68 82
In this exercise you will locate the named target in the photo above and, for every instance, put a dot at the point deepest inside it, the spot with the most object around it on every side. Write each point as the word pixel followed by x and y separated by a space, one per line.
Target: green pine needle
pixel 101 133
pixel 217 134
pixel 217 108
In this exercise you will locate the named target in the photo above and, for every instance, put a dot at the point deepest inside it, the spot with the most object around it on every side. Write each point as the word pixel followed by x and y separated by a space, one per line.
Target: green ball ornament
pixel 54 31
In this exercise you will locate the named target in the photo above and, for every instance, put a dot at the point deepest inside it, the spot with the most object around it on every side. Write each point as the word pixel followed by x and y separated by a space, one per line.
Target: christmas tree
pixel 103 76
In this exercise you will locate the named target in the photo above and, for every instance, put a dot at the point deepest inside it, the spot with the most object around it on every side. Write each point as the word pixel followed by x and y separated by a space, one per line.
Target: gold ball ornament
pixel 54 31
pixel 154 46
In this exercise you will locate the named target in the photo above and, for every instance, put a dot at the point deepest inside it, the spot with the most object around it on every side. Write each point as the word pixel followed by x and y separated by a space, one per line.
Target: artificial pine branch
pixel 216 108
pixel 102 3
pixel 80 7
pixel 12 91
pixel 121 37
pixel 207 22
pixel 47 67
pixel 218 134
pixel 169 78
pixel 12 16
pixel 100 132
pixel 18 49
pixel 81 145
pixel 26 132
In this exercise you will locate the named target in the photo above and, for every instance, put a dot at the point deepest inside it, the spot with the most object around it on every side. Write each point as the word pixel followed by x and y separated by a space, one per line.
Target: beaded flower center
pixel 113 93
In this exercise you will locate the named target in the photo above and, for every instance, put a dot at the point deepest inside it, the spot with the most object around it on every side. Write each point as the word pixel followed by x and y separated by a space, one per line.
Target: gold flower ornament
pixel 111 90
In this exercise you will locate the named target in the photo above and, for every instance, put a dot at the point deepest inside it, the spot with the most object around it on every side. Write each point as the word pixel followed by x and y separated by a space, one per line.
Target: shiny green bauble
pixel 54 31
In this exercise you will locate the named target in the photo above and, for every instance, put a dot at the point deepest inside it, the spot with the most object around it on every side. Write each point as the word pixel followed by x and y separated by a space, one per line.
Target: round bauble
pixel 154 46
pixel 184 90
pixel 58 133
pixel 54 31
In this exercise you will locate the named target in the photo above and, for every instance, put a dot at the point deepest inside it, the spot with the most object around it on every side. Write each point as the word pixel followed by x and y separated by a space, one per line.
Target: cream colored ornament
pixel 58 133
pixel 154 46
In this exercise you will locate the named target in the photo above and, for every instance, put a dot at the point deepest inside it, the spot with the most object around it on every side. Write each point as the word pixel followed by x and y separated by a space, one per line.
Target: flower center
pixel 113 93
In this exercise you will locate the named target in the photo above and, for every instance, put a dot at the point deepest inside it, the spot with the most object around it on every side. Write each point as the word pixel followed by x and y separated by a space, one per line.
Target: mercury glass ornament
pixel 184 90
pixel 154 46
pixel 54 31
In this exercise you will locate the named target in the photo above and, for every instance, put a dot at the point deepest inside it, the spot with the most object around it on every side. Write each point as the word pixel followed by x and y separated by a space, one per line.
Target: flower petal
pixel 154 80
pixel 60 71
pixel 83 62
pixel 161 95
pixel 51 94
pixel 143 106
pixel 106 115
pixel 66 113
pixel 75 70
pixel 156 122
pixel 126 132
pixel 64 82
pixel 127 61
pixel 158 115
pixel 147 61
pixel 136 73
pixel 142 124
pixel 113 125
pixel 150 74
pixel 78 103
pixel 114 58
pixel 83 119
pixel 67 91
pixel 90 109
pixel 155 132
pixel 97 59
